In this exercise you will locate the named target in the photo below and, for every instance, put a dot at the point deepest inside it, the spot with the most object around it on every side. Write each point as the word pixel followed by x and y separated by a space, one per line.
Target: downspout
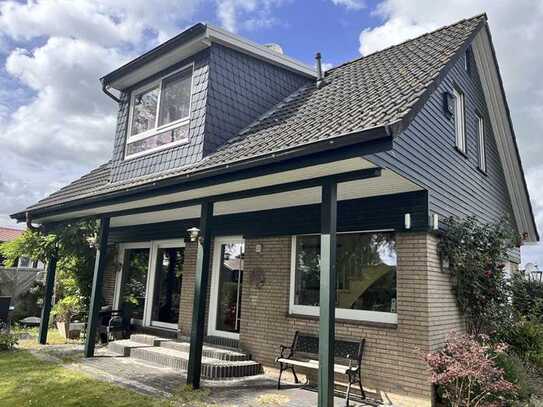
pixel 105 89
pixel 29 224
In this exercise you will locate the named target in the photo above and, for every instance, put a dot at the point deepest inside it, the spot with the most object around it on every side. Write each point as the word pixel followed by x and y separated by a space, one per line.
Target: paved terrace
pixel 159 381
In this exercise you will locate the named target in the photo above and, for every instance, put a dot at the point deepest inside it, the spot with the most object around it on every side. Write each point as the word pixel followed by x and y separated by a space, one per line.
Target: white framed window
pixel 160 114
pixel 366 276
pixel 460 120
pixel 482 146
pixel 24 262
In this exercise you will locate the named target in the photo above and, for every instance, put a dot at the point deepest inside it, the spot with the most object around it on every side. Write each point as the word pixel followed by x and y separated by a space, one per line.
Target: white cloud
pixel 105 22
pixel 350 4
pixel 55 123
pixel 516 30
pixel 246 14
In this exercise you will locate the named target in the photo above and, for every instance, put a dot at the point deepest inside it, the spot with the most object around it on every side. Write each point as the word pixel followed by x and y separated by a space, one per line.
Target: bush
pixel 515 373
pixel 525 338
pixel 527 297
pixel 66 308
pixel 475 254
pixel 7 340
pixel 466 374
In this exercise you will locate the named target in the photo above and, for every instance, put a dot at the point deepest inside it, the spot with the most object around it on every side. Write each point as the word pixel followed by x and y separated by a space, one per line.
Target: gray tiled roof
pixel 373 91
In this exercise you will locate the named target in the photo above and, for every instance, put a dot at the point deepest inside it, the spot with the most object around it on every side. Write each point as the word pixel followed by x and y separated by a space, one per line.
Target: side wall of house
pixel 392 361
pixel 425 152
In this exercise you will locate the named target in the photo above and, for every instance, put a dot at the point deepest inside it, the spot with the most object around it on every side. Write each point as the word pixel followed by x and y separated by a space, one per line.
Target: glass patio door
pixel 167 281
pixel 132 295
pixel 227 284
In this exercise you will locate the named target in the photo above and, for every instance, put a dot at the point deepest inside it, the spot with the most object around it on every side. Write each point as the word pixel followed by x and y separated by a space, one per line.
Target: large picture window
pixel 366 276
pixel 159 114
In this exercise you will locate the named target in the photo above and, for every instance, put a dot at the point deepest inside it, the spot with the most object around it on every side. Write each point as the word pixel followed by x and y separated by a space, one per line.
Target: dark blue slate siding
pixel 230 90
pixel 240 90
pixel 173 157
pixel 425 153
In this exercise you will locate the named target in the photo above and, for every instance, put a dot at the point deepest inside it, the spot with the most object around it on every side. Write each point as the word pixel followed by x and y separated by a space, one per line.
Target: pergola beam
pixel 97 284
pixel 200 290
pixel 327 319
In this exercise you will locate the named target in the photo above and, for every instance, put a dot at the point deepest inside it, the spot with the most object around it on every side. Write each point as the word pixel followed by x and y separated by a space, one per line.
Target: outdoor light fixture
pixel 407 220
pixel 194 232
pixel 435 221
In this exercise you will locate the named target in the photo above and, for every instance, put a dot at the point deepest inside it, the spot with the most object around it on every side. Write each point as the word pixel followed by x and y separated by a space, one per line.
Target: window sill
pixel 482 171
pixel 385 325
pixel 461 152
pixel 156 149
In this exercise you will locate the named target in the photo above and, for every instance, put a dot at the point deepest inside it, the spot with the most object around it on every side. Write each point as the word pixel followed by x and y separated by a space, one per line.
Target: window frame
pixel 341 313
pixel 481 138
pixel 460 129
pixel 157 129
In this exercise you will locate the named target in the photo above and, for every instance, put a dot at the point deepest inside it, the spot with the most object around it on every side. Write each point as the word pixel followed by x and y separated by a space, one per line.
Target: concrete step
pixel 124 347
pixel 147 339
pixel 214 369
pixel 208 351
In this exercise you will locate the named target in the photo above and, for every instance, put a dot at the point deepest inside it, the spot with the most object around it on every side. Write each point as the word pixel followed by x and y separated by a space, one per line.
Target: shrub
pixel 7 340
pixel 515 372
pixel 475 254
pixel 527 297
pixel 66 308
pixel 466 373
pixel 525 338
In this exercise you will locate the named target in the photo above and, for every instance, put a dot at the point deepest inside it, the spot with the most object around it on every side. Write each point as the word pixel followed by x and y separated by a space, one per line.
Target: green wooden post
pixel 47 296
pixel 327 317
pixel 200 290
pixel 97 282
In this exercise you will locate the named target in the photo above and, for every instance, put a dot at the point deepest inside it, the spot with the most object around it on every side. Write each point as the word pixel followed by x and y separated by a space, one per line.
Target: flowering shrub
pixel 475 254
pixel 466 373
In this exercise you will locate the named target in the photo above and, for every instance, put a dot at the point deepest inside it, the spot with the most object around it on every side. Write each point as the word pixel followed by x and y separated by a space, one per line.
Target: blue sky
pixel 55 123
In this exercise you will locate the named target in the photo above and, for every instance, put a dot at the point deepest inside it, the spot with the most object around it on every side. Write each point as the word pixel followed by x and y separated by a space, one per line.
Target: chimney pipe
pixel 320 77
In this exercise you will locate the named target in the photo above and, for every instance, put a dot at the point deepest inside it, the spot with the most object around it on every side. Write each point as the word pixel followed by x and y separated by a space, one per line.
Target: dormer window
pixel 159 114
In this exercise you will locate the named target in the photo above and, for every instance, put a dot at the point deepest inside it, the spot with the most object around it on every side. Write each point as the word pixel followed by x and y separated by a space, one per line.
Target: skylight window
pixel 159 114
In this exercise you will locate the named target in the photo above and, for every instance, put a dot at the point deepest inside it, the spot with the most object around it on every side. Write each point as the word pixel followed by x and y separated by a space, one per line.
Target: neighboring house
pixel 244 143
pixel 24 262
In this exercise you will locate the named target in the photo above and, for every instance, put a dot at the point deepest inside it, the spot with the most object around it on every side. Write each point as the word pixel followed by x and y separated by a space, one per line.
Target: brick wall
pixel 392 360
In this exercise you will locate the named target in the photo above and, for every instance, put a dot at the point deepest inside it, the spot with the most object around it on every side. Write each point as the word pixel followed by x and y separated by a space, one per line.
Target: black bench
pixel 304 353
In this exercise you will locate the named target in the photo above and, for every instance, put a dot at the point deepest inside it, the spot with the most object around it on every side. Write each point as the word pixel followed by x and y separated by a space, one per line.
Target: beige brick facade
pixel 393 365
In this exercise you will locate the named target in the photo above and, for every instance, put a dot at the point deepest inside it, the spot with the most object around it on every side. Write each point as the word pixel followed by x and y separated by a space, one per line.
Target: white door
pixel 150 282
pixel 226 287
pixel 165 281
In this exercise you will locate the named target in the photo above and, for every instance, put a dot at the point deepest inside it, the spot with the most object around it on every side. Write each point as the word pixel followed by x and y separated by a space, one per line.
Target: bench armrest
pixel 283 348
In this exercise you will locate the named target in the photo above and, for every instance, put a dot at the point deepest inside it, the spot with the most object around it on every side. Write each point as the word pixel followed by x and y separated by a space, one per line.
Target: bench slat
pixel 314 364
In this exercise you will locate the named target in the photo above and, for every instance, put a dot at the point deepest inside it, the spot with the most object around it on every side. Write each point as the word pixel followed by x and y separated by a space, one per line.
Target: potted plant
pixel 63 311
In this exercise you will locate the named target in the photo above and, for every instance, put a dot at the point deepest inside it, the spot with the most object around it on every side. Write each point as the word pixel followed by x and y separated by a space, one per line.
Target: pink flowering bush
pixel 466 373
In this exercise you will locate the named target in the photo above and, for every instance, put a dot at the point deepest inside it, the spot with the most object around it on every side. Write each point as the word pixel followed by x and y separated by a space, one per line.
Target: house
pixel 239 176
pixel 24 262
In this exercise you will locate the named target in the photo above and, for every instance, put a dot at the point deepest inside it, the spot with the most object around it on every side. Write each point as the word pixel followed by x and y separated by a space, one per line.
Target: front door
pixel 226 287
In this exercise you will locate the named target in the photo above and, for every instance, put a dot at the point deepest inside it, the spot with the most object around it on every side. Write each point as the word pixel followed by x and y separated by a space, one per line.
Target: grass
pixel 27 381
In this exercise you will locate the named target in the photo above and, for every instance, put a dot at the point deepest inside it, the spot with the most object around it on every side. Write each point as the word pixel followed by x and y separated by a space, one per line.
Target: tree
pixel 76 253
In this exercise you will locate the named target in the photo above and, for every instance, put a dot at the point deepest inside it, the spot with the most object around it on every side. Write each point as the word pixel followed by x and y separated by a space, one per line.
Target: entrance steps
pixel 217 362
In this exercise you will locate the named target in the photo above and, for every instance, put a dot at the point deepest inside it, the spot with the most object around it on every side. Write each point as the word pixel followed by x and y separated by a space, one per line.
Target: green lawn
pixel 27 381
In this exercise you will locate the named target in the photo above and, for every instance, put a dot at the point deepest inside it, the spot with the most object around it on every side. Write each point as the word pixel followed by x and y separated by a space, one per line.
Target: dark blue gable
pixel 425 153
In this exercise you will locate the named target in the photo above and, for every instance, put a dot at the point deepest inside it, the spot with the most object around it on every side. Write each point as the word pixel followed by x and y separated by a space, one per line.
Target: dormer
pixel 182 100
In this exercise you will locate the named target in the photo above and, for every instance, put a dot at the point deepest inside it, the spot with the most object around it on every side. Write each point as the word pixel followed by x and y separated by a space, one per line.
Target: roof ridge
pixel 444 27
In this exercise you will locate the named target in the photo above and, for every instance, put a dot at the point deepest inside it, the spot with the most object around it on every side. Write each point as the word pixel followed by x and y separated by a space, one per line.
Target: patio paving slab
pixel 155 380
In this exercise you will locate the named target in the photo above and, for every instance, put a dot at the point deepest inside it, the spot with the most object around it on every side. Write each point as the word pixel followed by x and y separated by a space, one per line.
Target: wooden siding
pixel 384 212
pixel 425 153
